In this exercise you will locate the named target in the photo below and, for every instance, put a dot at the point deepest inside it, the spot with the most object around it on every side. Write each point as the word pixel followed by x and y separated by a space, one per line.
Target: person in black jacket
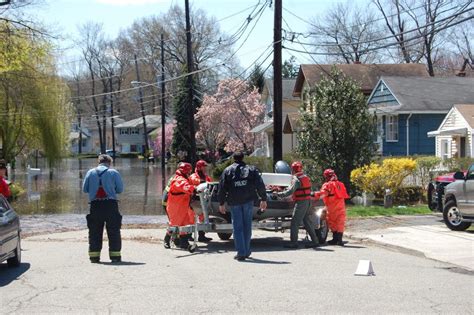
pixel 238 185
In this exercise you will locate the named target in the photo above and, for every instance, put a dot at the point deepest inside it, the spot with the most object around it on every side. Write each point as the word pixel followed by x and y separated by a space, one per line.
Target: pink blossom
pixel 226 117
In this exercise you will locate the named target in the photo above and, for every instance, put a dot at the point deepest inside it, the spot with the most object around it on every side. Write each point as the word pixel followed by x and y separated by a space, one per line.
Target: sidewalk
pixel 426 235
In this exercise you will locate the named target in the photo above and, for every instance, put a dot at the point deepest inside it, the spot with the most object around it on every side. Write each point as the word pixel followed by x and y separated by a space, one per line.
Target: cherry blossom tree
pixel 226 117
pixel 156 144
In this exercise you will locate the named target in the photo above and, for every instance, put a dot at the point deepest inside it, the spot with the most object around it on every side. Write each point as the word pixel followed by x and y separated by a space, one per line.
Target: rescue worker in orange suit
pixel 300 189
pixel 198 177
pixel 178 208
pixel 334 193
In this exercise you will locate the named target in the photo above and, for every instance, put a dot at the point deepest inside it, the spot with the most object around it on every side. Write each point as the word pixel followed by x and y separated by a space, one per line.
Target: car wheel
pixel 452 217
pixel 322 232
pixel 432 204
pixel 15 261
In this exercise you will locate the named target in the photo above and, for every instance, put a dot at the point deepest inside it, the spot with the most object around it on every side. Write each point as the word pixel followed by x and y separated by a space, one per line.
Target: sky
pixel 64 16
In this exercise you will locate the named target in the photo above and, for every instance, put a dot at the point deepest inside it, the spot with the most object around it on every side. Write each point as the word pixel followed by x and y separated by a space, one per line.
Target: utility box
pixel 388 199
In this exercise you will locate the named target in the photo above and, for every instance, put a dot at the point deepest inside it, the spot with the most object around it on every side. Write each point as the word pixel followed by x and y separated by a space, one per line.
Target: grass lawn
pixel 361 211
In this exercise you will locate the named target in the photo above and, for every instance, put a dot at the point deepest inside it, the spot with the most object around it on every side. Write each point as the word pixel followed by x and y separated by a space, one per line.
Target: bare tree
pixel 462 37
pixel 418 26
pixel 348 30
pixel 90 43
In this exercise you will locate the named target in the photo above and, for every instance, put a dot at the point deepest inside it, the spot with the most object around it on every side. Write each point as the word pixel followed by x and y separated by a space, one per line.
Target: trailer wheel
pixel 224 236
pixel 192 248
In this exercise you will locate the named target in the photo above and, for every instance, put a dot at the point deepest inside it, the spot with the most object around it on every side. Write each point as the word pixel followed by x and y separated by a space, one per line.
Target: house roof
pixel 292 123
pixel 92 125
pixel 467 111
pixel 367 75
pixel 287 89
pixel 152 122
pixel 429 94
pixel 263 127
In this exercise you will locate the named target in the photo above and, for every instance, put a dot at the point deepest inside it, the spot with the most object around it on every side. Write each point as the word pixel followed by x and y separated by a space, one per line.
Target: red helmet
pixel 296 167
pixel 200 165
pixel 328 174
pixel 185 168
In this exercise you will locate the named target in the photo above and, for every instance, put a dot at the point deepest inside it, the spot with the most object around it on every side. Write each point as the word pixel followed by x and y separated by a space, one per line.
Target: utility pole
pixel 277 85
pixel 79 119
pixel 112 114
pixel 142 109
pixel 189 52
pixel 163 112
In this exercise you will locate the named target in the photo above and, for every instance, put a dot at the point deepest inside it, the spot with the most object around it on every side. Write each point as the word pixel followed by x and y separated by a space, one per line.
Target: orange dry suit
pixel 179 197
pixel 334 193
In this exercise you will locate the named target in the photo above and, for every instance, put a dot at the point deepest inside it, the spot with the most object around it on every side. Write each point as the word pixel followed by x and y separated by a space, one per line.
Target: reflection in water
pixel 63 192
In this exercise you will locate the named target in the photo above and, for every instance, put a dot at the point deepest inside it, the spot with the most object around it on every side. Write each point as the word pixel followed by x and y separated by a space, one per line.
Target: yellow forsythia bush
pixel 375 178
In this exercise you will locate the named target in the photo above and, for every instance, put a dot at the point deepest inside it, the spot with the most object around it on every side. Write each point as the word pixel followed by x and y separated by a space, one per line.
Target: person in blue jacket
pixel 102 184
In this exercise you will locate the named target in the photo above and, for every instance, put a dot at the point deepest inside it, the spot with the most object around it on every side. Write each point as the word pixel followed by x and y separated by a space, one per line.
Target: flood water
pixel 62 193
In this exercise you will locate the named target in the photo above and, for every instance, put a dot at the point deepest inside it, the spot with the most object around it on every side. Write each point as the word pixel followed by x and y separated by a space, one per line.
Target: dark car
pixel 436 191
pixel 10 245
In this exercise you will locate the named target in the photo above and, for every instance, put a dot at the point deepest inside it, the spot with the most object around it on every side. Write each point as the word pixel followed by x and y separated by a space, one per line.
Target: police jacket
pixel 240 183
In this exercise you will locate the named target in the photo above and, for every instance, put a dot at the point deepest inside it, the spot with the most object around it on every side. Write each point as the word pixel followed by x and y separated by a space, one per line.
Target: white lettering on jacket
pixel 240 183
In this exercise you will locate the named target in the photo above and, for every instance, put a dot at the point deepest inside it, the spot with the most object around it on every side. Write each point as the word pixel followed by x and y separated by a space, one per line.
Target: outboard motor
pixel 281 167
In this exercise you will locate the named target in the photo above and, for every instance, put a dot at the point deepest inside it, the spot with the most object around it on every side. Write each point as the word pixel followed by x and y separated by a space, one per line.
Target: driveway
pixel 425 235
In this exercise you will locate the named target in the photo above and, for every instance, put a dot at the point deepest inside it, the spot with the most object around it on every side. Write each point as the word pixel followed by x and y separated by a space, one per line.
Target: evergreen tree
pixel 181 132
pixel 257 78
pixel 290 69
pixel 337 129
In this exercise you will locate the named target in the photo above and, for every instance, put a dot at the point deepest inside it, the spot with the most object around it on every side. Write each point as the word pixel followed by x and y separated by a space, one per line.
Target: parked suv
pixel 458 210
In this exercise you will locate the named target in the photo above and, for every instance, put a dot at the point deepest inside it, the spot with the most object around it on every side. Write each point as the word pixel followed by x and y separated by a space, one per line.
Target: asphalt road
pixel 56 277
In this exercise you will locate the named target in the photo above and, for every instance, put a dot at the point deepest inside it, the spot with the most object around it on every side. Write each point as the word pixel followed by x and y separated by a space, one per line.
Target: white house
pixel 130 133
pixel 290 104
pixel 454 137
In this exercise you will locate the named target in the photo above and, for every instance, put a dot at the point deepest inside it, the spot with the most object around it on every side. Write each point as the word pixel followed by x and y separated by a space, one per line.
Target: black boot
pixel 319 235
pixel 166 242
pixel 334 239
pixel 339 239
pixel 183 241
pixel 202 237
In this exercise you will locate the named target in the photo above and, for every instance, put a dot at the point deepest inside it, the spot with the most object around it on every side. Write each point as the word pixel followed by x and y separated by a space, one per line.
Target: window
pixel 3 206
pixel 470 173
pixel 124 131
pixel 445 143
pixel 391 126
pixel 134 131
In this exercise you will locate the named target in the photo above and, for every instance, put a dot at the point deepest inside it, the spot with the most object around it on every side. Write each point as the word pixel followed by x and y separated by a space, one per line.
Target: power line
pixel 387 45
pixel 390 36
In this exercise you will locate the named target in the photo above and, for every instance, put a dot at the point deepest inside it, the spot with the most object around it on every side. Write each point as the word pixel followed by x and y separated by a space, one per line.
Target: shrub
pixel 375 178
pixel 425 166
pixel 408 195
pixel 16 190
pixel 458 164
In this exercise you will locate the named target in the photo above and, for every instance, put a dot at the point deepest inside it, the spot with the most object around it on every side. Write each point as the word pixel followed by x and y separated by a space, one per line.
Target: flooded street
pixel 62 193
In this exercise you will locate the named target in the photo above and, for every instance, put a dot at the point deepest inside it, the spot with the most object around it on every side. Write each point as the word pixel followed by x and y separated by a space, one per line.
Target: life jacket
pixel 304 192
pixel 101 194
